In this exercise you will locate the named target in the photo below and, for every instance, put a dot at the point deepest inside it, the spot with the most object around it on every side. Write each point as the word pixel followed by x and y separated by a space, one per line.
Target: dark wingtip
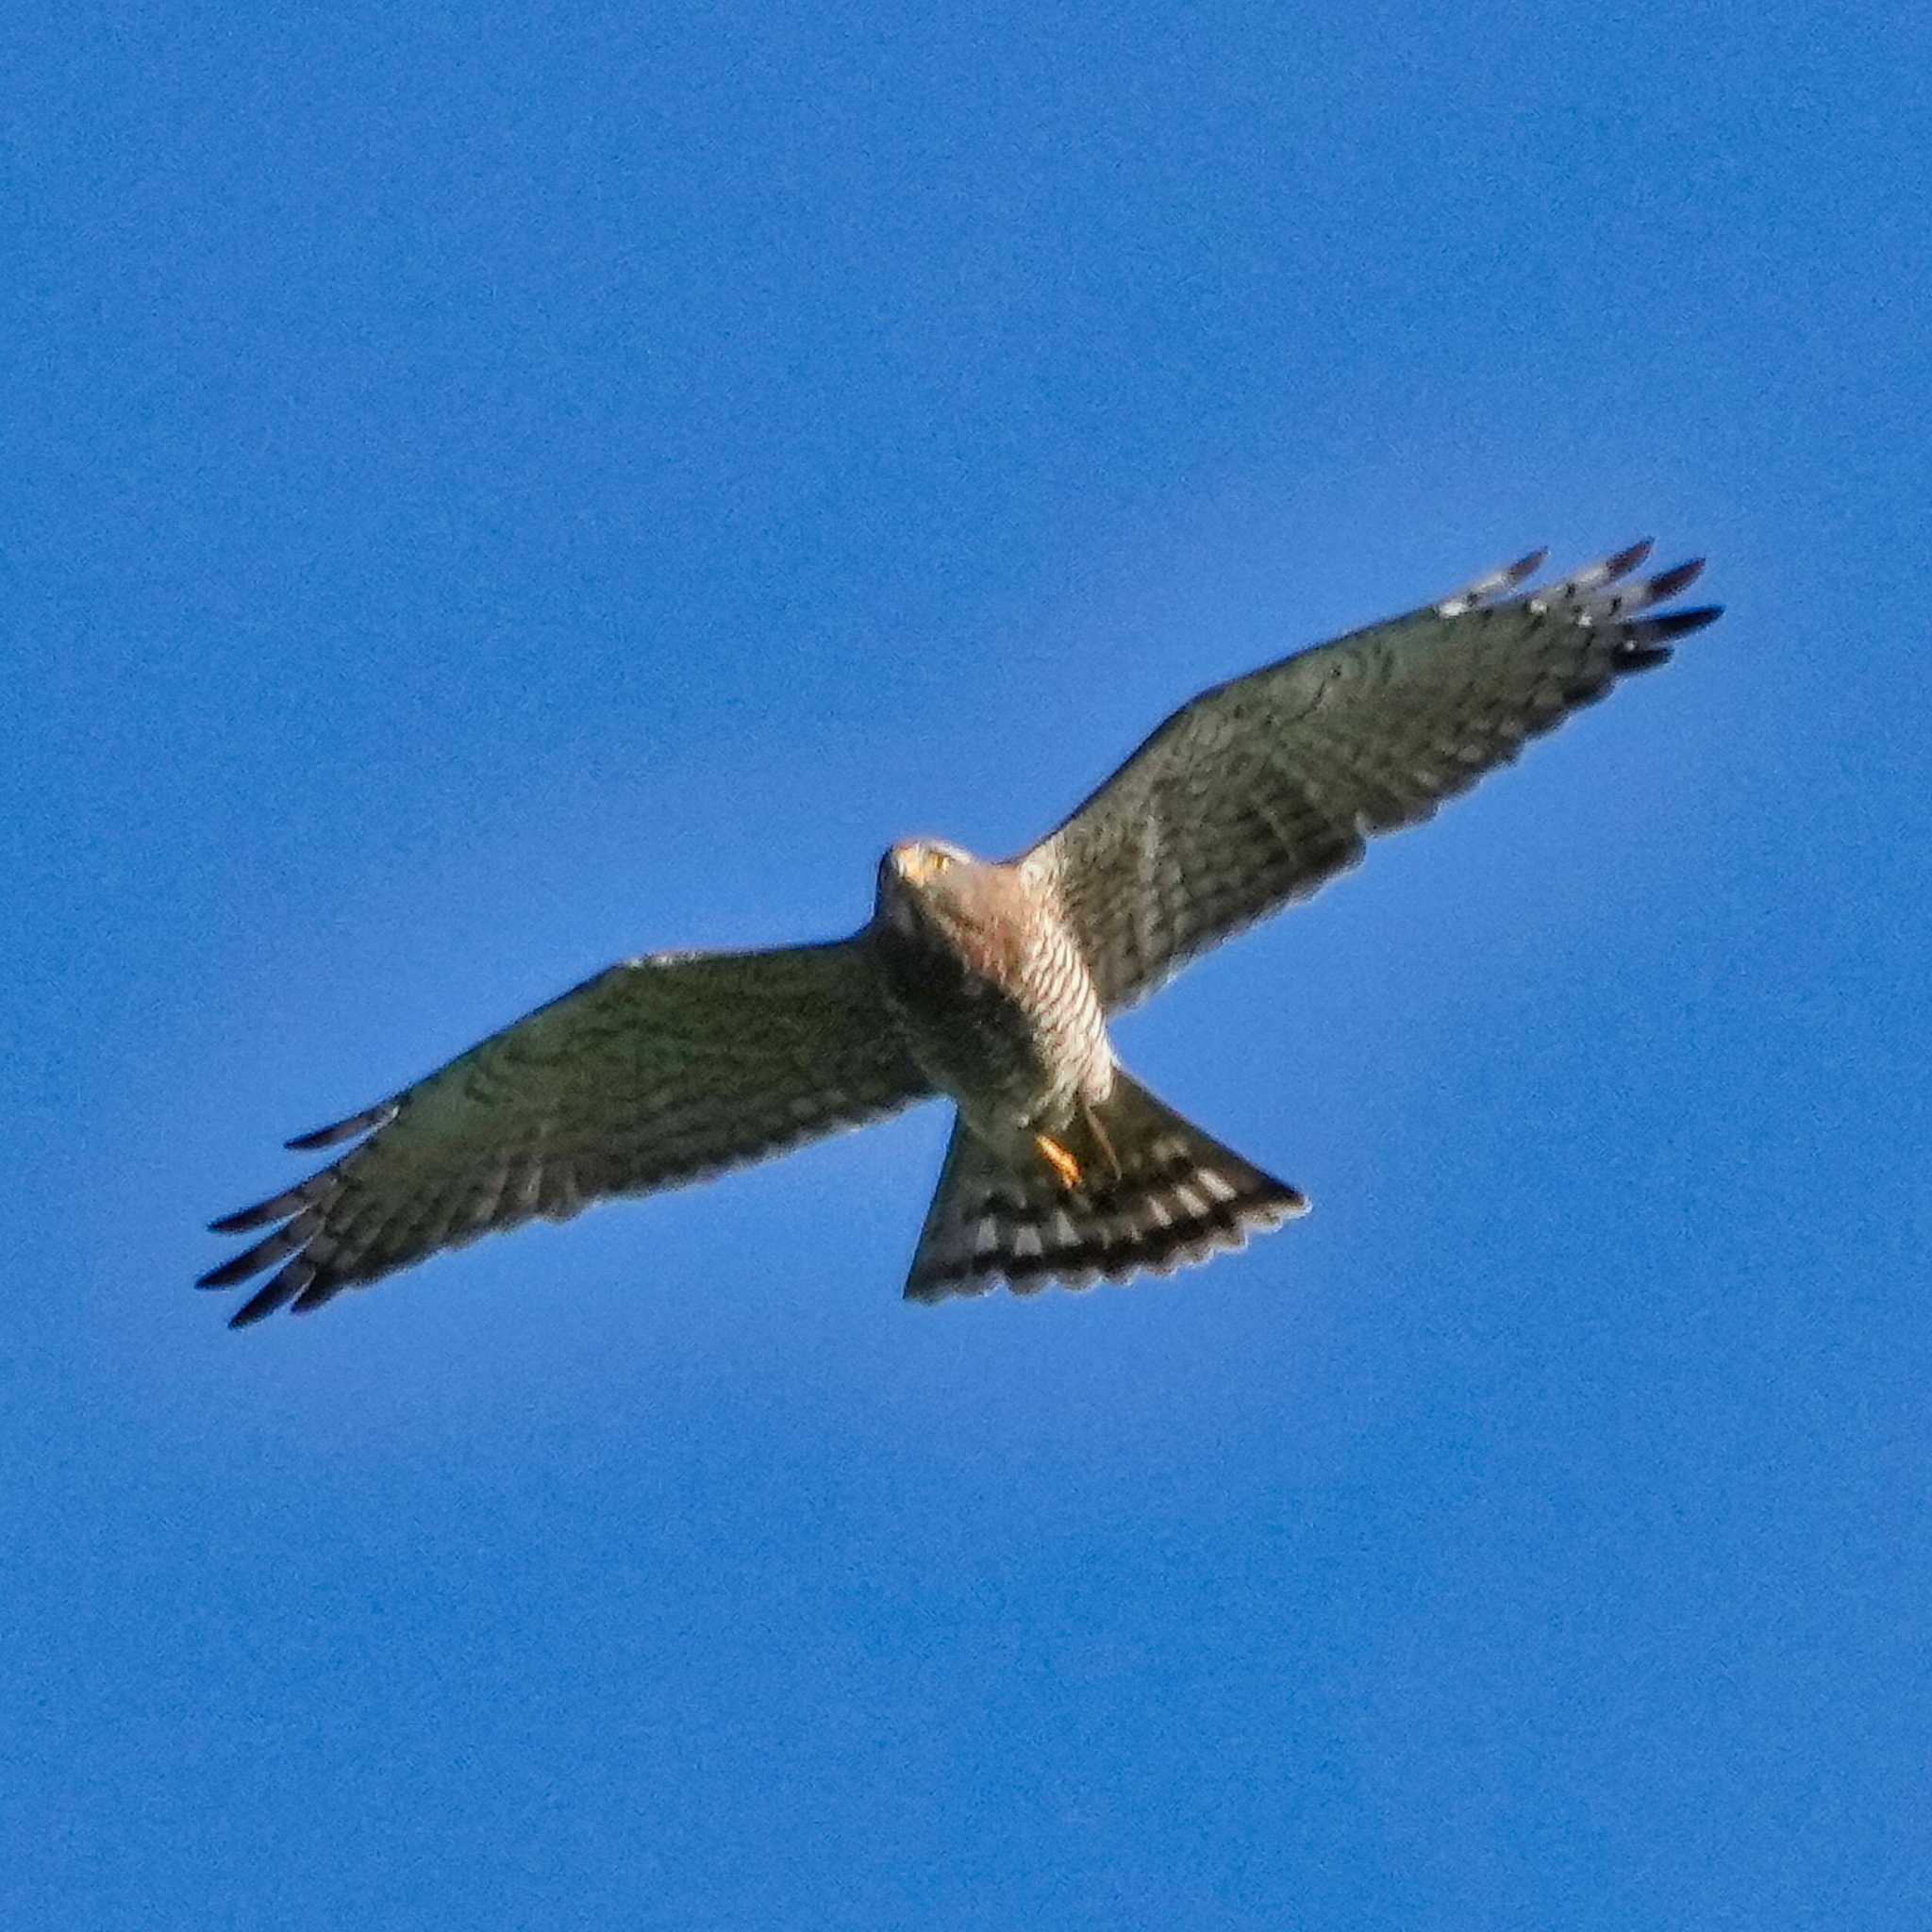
pixel 246 1220
pixel 1666 584
pixel 230 1272
pixel 1677 624
pixel 273 1295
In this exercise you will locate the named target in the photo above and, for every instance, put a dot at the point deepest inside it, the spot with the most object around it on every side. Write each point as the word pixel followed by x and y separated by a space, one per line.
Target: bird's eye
pixel 939 861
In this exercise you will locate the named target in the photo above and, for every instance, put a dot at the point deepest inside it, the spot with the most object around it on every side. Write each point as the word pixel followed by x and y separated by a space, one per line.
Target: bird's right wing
pixel 655 1071
pixel 1260 790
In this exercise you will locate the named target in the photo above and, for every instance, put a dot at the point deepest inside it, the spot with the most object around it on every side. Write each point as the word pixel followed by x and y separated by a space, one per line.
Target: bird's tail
pixel 1127 1188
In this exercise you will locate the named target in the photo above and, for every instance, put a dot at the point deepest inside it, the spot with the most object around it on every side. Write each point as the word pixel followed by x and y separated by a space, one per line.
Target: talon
pixel 1059 1160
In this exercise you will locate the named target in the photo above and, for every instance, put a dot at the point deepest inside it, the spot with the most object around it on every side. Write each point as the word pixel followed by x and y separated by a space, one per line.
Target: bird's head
pixel 935 893
pixel 923 883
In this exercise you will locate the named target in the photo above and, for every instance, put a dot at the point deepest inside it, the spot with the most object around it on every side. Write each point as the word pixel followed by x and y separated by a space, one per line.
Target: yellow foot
pixel 1059 1160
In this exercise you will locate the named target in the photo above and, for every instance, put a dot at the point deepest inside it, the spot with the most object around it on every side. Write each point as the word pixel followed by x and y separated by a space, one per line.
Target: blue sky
pixel 489 492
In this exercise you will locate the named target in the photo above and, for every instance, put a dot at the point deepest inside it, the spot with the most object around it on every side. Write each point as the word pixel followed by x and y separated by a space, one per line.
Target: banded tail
pixel 1153 1192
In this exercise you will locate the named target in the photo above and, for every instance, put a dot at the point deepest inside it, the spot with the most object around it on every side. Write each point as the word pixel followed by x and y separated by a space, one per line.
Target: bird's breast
pixel 1022 1043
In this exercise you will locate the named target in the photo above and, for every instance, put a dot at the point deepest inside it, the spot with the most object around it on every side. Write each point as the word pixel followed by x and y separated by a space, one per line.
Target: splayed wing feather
pixel 656 1071
pixel 1261 789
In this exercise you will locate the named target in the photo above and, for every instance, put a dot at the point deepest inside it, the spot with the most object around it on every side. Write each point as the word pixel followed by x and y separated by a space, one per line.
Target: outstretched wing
pixel 1262 789
pixel 657 1071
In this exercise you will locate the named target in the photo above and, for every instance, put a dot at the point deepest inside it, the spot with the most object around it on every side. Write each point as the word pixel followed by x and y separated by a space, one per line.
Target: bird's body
pixel 1062 1165
pixel 987 982
pixel 988 989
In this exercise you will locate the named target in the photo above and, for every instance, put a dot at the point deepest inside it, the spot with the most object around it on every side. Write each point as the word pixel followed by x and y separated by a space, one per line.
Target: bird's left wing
pixel 1260 790
pixel 655 1071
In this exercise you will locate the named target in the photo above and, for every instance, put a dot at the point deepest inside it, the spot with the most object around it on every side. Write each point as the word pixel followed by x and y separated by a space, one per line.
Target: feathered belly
pixel 1003 1057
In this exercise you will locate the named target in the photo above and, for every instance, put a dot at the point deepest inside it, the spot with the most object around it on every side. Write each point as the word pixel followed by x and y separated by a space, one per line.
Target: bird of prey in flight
pixel 989 982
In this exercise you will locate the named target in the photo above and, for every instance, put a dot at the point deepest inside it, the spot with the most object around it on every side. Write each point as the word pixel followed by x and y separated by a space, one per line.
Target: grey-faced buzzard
pixel 990 983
